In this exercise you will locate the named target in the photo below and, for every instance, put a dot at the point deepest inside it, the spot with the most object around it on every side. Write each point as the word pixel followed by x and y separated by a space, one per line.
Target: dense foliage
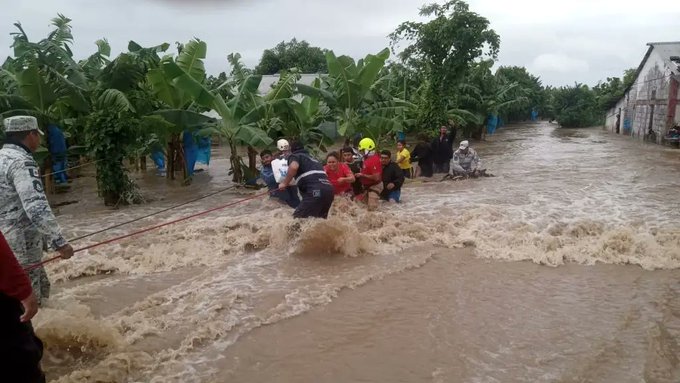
pixel 292 54
pixel 147 98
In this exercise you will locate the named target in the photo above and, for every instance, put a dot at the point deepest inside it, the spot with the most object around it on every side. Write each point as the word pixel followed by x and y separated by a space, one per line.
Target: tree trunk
pixel 252 159
pixel 142 161
pixel 170 160
pixel 186 180
pixel 235 161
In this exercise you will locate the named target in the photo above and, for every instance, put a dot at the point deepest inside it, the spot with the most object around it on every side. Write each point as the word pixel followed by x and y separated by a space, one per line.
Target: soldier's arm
pixel 476 162
pixel 26 179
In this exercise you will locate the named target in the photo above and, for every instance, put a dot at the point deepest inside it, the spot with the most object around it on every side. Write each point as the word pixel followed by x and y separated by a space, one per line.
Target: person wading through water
pixel 371 174
pixel 442 148
pixel 312 181
pixel 26 219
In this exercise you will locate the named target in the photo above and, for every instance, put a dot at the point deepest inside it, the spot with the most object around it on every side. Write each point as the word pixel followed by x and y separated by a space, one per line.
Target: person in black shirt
pixel 312 181
pixel 392 176
pixel 349 158
pixel 422 154
pixel 442 148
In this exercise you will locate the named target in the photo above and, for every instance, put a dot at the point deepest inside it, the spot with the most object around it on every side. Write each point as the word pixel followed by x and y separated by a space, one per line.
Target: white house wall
pixel 647 100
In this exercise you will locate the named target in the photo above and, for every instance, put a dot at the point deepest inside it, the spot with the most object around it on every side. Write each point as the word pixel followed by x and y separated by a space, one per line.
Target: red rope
pixel 148 229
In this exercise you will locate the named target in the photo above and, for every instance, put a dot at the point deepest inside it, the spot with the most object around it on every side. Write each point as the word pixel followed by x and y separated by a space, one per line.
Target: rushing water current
pixel 562 268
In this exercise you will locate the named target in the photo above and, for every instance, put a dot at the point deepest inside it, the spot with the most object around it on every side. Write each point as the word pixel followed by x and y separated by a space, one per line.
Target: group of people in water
pixel 362 173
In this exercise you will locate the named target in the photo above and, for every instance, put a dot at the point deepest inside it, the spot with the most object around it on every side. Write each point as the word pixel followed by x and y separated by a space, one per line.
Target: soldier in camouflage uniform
pixel 25 215
pixel 466 162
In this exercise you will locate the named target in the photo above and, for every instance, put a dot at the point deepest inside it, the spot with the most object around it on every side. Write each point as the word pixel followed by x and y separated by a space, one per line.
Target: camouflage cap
pixel 21 124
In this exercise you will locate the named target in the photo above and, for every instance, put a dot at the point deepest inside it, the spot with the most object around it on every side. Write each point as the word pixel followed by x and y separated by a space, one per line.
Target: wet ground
pixel 563 268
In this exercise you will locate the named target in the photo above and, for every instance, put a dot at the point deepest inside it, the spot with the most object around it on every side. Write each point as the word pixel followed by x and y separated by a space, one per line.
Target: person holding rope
pixel 312 181
pixel 20 349
pixel 25 215
pixel 371 174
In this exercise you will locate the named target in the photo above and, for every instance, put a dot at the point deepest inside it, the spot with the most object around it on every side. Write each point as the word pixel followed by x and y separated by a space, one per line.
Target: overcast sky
pixel 560 41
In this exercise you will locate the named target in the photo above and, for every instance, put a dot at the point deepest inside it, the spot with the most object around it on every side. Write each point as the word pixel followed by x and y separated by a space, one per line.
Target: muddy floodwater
pixel 562 268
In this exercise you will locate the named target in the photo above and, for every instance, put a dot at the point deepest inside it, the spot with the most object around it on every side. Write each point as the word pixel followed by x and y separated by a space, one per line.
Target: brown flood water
pixel 563 268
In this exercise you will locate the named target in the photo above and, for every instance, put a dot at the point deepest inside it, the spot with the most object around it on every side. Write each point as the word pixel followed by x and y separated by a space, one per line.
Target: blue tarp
pixel 190 152
pixel 534 115
pixel 204 146
pixel 196 149
pixel 491 124
pixel 57 148
pixel 158 158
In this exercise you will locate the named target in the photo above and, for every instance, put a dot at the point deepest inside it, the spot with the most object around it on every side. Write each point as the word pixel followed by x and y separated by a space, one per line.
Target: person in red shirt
pixel 20 349
pixel 371 174
pixel 339 174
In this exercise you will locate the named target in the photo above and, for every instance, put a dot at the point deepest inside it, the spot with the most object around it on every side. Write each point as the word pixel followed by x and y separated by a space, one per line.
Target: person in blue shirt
pixel 57 148
pixel 288 196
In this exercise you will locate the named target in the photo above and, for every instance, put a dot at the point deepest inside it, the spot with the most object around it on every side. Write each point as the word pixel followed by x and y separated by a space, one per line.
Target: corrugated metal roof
pixel 270 80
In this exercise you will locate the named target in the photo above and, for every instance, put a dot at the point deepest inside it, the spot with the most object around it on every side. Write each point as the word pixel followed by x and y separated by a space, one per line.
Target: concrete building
pixel 649 107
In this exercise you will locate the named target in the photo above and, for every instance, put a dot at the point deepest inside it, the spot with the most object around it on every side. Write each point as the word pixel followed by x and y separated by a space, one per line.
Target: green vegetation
pixel 293 54
pixel 146 98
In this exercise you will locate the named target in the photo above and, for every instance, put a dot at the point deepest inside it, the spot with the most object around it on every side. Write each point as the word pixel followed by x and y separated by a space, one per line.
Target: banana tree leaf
pixel 245 100
pixel 187 84
pixel 191 59
pixel 252 136
pixel 134 47
pixel 284 88
pixel 317 93
pixel 372 67
pixel 329 129
pixel 35 89
pixel 184 119
pixel 9 79
pixel 163 89
pixel 12 101
pixel 113 99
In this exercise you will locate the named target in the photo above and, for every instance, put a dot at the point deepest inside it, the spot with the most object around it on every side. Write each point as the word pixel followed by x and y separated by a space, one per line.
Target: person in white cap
pixel 25 215
pixel 465 162
pixel 280 169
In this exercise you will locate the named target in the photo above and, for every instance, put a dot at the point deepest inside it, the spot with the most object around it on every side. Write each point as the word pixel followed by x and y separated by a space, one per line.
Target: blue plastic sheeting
pixel 491 124
pixel 57 148
pixel 534 115
pixel 204 146
pixel 158 158
pixel 57 141
pixel 190 152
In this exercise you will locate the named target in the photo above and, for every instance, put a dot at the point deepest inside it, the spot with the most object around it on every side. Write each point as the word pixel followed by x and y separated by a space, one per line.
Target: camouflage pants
pixel 27 246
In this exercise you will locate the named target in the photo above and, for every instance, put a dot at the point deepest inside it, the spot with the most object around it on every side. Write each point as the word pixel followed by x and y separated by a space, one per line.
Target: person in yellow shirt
pixel 404 158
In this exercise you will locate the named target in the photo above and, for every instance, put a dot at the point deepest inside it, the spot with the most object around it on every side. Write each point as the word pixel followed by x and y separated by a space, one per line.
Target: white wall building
pixel 649 107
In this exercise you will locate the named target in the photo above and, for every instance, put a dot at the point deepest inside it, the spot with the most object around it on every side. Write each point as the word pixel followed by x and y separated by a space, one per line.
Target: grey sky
pixel 560 41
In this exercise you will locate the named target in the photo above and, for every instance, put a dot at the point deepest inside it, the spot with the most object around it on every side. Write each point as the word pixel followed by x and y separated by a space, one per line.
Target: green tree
pixel 575 106
pixel 531 87
pixel 444 48
pixel 292 54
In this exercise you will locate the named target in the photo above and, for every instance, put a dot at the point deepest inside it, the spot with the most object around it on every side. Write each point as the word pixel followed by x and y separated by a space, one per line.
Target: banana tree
pixel 42 79
pixel 178 75
pixel 180 110
pixel 352 91
pixel 281 114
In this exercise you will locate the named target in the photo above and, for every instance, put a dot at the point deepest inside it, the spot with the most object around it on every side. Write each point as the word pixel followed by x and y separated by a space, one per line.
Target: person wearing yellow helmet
pixel 371 173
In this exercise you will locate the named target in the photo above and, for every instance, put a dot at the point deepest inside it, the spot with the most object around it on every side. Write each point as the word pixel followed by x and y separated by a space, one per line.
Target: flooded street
pixel 562 268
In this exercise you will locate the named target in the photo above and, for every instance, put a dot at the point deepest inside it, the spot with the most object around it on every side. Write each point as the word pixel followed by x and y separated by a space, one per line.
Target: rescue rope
pixel 148 229
pixel 73 167
pixel 150 215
